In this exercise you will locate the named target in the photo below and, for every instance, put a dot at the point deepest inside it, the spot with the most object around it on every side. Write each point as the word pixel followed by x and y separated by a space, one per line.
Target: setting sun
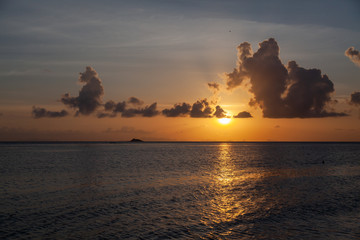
pixel 224 120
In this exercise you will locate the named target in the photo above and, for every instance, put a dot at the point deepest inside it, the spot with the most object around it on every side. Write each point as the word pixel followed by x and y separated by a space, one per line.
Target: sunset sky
pixel 169 70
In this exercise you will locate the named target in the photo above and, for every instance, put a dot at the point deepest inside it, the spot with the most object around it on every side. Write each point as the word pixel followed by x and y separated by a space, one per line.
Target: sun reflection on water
pixel 231 189
pixel 224 206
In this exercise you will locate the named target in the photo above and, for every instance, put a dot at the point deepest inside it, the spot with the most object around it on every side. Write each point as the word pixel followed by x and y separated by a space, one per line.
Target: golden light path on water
pixel 229 201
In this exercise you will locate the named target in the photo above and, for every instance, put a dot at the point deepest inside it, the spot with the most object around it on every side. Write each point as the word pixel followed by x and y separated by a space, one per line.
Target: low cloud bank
pixel 38 112
pixel 90 100
pixel 200 109
pixel 243 114
pixel 111 109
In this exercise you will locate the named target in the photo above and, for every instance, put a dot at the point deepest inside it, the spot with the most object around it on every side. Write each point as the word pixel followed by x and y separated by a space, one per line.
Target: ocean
pixel 180 190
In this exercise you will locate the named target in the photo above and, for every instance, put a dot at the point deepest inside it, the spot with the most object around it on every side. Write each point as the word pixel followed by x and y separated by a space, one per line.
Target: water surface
pixel 180 190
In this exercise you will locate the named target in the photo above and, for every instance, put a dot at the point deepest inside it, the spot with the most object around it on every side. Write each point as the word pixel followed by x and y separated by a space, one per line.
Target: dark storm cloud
pixel 219 112
pixel 201 109
pixel 38 112
pixel 178 110
pixel 243 114
pixel 90 95
pixel 355 98
pixel 135 101
pixel 353 55
pixel 281 92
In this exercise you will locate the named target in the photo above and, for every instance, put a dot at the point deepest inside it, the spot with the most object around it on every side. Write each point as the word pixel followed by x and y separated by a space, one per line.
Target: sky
pixel 169 70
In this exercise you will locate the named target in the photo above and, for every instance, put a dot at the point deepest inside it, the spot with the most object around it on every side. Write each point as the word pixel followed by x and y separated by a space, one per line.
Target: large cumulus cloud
pixel 90 95
pixel 281 91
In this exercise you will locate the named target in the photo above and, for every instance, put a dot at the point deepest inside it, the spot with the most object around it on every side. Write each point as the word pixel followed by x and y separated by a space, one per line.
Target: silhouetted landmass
pixel 136 140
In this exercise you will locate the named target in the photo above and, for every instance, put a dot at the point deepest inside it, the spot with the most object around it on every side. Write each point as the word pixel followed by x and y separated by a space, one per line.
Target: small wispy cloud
pixel 353 55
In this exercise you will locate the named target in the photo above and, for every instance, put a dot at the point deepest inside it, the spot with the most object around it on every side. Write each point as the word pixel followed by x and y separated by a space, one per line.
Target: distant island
pixel 136 140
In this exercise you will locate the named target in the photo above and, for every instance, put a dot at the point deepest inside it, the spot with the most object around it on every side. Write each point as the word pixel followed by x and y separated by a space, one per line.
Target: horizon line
pixel 165 141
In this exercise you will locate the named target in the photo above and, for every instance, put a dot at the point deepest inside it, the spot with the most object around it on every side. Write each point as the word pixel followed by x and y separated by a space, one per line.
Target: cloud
pixel 115 107
pixel 42 112
pixel 353 55
pixel 120 107
pixel 219 112
pixel 239 74
pixel 178 110
pixel 112 109
pixel 109 105
pixel 355 98
pixel 90 100
pixel 135 101
pixel 90 95
pixel 147 111
pixel 243 114
pixel 281 92
pixel 201 109
pixel 215 87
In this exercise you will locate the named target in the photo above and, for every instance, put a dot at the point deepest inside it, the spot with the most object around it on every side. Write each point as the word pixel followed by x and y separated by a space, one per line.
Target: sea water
pixel 180 191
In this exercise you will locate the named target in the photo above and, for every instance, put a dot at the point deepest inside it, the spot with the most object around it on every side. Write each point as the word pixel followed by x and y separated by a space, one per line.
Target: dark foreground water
pixel 180 190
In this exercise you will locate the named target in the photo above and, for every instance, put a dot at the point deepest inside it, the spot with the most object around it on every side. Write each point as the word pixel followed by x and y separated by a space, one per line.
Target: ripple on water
pixel 180 190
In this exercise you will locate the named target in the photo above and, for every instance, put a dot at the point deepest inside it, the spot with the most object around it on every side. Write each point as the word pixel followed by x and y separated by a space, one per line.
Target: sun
pixel 224 121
